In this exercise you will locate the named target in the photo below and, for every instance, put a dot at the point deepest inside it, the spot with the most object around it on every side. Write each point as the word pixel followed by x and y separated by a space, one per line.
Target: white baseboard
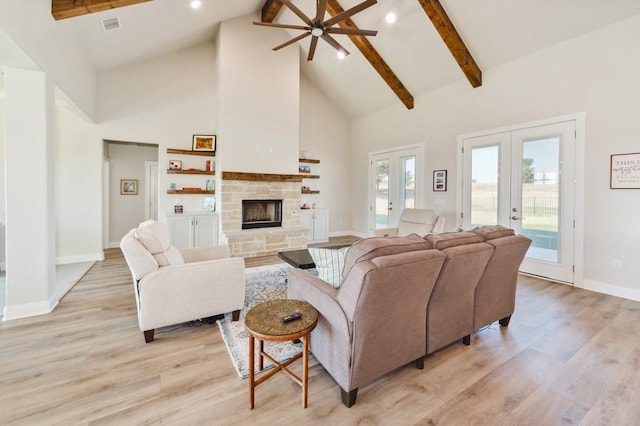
pixel 612 290
pixel 92 257
pixel 114 244
pixel 28 310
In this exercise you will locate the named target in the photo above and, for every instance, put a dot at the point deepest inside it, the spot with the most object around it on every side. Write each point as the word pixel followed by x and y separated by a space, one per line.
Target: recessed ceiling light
pixel 196 4
pixel 341 55
pixel 390 18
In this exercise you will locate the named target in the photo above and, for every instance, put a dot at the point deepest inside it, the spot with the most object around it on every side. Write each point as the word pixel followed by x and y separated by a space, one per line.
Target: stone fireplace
pixel 263 188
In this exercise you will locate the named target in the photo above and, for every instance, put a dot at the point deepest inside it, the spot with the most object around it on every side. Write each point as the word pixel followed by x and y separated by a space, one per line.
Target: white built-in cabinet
pixel 317 222
pixel 193 229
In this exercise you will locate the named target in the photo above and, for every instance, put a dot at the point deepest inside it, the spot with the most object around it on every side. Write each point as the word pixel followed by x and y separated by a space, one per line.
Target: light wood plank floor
pixel 568 357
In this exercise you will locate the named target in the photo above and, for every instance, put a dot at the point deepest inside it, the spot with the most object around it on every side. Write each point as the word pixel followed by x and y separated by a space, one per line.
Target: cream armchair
pixel 173 286
pixel 414 221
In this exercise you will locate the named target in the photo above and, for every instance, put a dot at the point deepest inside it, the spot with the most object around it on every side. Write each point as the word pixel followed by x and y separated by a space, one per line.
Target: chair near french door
pixel 524 179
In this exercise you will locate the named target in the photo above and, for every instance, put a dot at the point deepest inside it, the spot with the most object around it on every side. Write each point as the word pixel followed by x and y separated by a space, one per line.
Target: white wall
pixel 78 196
pixel 259 94
pixel 167 109
pixel 52 46
pixel 127 211
pixel 595 73
pixel 324 135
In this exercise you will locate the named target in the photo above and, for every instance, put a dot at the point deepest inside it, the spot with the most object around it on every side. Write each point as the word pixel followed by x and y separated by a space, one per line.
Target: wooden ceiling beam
pixel 452 39
pixel 63 9
pixel 374 58
pixel 270 10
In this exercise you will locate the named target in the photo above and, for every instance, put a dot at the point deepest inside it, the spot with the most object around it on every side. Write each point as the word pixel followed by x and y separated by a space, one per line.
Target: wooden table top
pixel 265 319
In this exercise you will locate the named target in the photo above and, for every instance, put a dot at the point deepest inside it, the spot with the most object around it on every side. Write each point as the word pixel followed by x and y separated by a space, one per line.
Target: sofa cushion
pixel 155 237
pixel 452 239
pixel 490 232
pixel 329 264
pixel 369 248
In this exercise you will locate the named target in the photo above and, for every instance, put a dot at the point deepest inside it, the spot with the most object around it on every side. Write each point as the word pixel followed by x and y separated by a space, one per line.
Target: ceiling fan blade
pixel 312 48
pixel 293 40
pixel 298 12
pixel 351 31
pixel 321 10
pixel 332 41
pixel 289 27
pixel 348 13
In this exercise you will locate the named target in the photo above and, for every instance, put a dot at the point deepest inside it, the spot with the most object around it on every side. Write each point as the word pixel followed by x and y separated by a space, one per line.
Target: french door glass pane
pixel 382 194
pixel 540 196
pixel 408 183
pixel 484 185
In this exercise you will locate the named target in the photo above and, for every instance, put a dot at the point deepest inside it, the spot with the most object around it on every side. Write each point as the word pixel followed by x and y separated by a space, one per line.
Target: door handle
pixel 516 218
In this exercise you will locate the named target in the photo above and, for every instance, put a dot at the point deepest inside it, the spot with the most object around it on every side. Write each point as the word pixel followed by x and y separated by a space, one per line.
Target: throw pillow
pixel 329 264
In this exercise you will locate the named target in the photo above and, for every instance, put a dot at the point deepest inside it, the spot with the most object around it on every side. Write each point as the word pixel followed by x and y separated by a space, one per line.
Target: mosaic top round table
pixel 264 323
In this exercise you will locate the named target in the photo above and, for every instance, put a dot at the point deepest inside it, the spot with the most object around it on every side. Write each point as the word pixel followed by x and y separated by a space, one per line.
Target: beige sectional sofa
pixel 402 298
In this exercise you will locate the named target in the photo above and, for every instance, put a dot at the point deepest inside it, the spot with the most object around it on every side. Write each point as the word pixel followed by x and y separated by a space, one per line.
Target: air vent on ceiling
pixel 111 24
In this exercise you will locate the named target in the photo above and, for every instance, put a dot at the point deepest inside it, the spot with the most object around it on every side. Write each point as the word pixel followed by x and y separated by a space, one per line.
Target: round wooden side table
pixel 264 323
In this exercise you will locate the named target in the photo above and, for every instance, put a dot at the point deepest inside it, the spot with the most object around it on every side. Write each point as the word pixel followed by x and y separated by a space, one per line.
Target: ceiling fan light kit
pixel 319 28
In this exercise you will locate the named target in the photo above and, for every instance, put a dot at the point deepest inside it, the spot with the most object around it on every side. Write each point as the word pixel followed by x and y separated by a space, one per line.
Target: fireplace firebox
pixel 261 213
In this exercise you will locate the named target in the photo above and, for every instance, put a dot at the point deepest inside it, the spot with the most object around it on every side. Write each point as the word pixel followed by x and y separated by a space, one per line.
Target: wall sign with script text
pixel 625 171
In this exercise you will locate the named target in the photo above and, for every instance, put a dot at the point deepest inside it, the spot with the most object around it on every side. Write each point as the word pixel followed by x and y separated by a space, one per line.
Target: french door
pixel 395 183
pixel 524 179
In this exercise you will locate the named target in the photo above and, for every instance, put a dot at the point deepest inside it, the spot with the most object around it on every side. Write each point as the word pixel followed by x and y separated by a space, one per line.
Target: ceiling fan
pixel 319 28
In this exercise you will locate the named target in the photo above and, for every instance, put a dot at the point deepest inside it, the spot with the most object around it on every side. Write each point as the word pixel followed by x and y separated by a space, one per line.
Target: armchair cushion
pixel 416 221
pixel 156 239
pixel 329 264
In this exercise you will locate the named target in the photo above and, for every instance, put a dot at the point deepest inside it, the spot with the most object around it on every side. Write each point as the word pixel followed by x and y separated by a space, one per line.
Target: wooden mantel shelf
pixel 260 177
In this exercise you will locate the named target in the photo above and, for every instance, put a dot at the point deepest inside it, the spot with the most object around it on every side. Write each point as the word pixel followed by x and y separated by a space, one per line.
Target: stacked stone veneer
pixel 261 241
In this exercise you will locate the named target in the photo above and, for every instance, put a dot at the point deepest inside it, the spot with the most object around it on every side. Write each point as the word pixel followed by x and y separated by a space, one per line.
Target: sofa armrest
pixel 331 339
pixel 304 286
pixel 199 254
pixel 387 232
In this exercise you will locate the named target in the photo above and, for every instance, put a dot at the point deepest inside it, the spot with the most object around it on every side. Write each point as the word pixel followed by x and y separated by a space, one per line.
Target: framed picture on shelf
pixel 175 164
pixel 625 171
pixel 206 143
pixel 128 186
pixel 439 180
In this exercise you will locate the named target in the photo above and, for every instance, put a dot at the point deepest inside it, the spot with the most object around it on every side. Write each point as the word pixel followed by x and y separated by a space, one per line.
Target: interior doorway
pixel 524 178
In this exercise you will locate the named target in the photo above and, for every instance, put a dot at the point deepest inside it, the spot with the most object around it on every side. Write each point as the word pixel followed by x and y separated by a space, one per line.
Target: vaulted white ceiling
pixel 494 31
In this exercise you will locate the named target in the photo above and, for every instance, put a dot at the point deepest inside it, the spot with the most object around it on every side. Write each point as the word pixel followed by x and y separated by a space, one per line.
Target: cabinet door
pixel 205 228
pixel 306 220
pixel 181 229
pixel 321 226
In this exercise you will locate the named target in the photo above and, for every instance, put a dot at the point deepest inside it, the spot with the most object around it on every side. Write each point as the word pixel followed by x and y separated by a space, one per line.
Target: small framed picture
pixel 128 186
pixel 175 164
pixel 625 171
pixel 204 143
pixel 439 180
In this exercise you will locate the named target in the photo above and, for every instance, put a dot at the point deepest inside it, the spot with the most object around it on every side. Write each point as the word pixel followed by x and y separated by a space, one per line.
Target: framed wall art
pixel 128 186
pixel 625 171
pixel 439 180
pixel 204 143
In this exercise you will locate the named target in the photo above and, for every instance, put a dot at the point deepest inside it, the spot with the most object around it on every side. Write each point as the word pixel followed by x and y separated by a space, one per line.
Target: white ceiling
pixel 495 32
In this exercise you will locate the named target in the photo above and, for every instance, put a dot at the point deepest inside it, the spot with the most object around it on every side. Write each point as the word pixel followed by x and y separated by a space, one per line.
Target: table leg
pixel 261 359
pixel 305 369
pixel 251 370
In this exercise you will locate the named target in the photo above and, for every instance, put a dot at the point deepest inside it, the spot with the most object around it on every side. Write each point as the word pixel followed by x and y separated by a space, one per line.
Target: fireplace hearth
pixel 261 214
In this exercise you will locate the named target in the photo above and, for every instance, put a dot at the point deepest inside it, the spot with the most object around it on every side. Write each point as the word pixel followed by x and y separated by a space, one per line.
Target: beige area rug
pixel 261 284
